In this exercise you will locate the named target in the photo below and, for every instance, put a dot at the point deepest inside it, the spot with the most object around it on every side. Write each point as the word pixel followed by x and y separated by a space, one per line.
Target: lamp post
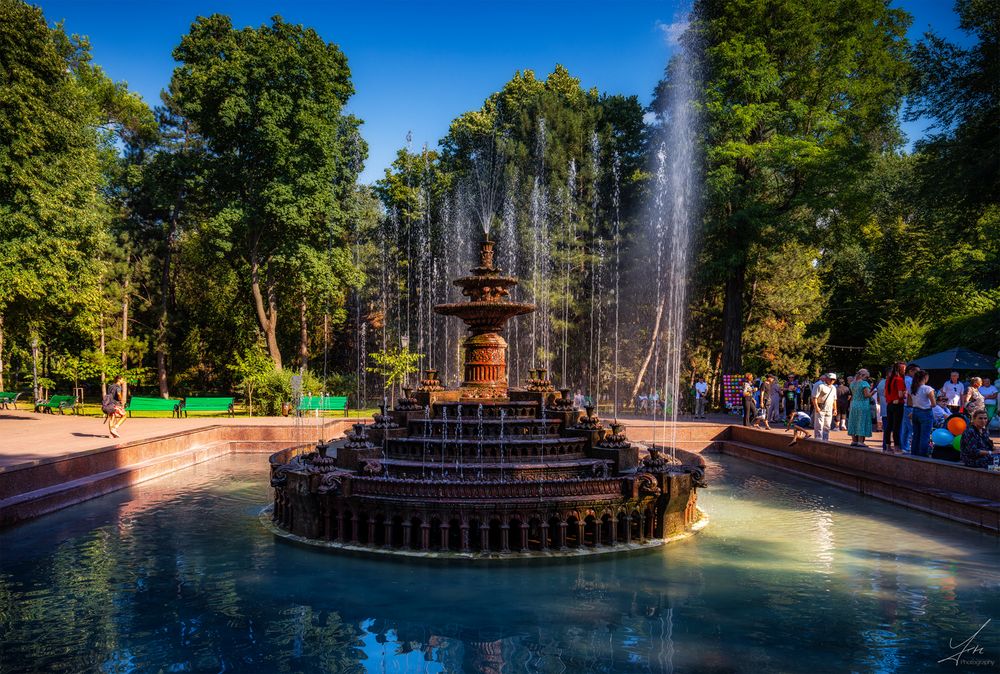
pixel 404 341
pixel 34 366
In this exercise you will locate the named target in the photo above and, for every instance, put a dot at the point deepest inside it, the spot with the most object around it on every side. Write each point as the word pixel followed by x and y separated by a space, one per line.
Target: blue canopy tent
pixel 965 362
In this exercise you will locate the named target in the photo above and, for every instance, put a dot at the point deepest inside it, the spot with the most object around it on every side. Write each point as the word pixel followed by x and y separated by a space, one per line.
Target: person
pixel 906 428
pixel 578 401
pixel 791 396
pixel 973 398
pixel 895 392
pixel 880 389
pixel 113 406
pixel 642 404
pixel 843 404
pixel 801 423
pixel 990 395
pixel 941 411
pixel 922 400
pixel 773 398
pixel 749 408
pixel 654 402
pixel 954 390
pixel 859 421
pixel 806 393
pixel 976 444
pixel 700 392
pixel 760 421
pixel 824 401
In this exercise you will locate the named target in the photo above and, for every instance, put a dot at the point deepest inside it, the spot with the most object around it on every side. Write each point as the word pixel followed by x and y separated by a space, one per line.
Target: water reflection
pixel 790 575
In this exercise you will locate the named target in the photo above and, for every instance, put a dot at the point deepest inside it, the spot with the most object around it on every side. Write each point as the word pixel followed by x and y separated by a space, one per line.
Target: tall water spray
pixel 674 216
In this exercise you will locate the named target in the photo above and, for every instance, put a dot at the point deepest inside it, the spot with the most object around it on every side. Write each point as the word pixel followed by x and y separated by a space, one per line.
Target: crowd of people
pixel 901 403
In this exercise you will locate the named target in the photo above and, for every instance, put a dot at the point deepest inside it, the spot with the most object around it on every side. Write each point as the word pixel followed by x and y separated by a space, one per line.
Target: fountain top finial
pixel 486 255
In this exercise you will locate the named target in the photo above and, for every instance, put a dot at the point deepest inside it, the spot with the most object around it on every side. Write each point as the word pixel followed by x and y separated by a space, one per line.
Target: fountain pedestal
pixel 486 313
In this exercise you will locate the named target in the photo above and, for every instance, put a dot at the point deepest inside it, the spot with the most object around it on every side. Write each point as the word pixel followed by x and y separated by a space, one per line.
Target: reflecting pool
pixel 177 575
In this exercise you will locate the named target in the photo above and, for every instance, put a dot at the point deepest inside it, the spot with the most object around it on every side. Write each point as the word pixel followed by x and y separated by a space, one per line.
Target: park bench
pixel 207 405
pixel 137 404
pixel 323 404
pixel 61 403
pixel 8 398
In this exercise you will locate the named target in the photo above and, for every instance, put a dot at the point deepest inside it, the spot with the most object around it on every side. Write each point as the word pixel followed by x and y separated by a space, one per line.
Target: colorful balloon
pixel 942 437
pixel 957 443
pixel 957 424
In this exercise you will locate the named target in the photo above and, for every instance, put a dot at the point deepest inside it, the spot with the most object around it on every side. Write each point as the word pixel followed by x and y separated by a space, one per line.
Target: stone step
pixel 978 511
pixel 53 497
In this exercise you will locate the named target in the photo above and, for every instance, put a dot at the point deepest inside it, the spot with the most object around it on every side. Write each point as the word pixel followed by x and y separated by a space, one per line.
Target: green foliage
pixel 394 365
pixel 282 157
pixel 897 340
pixel 276 388
pixel 251 371
pixel 798 98
pixel 786 304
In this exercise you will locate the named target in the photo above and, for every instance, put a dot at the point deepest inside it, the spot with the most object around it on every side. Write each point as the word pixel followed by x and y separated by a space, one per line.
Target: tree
pixel 59 118
pixel 897 340
pixel 251 370
pixel 394 365
pixel 281 156
pixel 798 99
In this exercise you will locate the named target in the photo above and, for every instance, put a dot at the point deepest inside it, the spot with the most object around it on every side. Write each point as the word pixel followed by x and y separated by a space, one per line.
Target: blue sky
pixel 418 64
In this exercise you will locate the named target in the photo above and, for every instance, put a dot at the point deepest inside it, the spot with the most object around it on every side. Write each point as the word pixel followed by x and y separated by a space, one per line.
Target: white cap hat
pixel 831 375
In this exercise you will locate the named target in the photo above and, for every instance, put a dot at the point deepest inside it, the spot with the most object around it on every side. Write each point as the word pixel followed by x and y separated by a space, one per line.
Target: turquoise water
pixel 178 576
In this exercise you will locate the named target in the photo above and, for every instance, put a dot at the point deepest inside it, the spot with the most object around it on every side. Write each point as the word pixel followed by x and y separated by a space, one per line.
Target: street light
pixel 34 366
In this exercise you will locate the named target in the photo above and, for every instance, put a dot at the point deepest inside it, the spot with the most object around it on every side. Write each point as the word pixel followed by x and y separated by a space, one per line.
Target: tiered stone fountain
pixel 486 469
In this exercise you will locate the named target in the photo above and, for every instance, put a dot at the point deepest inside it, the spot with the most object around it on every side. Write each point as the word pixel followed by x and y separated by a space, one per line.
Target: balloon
pixel 942 437
pixel 957 424
pixel 957 443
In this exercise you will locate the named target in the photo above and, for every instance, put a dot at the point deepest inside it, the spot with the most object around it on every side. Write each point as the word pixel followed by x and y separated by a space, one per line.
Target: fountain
pixel 529 477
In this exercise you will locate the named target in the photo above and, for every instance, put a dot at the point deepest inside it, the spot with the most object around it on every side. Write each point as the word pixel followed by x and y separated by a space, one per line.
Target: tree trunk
pixel 161 328
pixel 650 351
pixel 304 336
pixel 1 352
pixel 104 376
pixel 732 321
pixel 266 316
pixel 125 323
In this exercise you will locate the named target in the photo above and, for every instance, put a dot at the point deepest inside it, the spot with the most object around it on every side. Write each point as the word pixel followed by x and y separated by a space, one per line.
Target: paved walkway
pixel 28 436
pixel 642 429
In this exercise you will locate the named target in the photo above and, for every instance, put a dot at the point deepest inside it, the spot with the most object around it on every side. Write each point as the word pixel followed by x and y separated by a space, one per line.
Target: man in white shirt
pixel 700 391
pixel 990 397
pixel 954 390
pixel 824 405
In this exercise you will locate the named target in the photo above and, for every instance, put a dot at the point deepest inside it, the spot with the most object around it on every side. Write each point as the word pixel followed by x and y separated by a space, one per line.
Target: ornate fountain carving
pixel 408 403
pixel 430 382
pixel 589 421
pixel 616 438
pixel 383 420
pixel 487 311
pixel 488 484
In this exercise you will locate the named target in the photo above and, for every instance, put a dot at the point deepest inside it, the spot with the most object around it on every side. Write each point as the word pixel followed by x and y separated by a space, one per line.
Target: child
pixel 800 427
pixel 761 419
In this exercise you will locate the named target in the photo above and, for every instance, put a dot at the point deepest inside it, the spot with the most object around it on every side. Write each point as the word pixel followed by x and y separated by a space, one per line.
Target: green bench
pixel 60 403
pixel 8 398
pixel 137 404
pixel 323 404
pixel 207 405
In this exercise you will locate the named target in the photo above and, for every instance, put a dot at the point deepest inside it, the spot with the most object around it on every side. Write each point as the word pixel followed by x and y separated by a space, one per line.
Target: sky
pixel 416 65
